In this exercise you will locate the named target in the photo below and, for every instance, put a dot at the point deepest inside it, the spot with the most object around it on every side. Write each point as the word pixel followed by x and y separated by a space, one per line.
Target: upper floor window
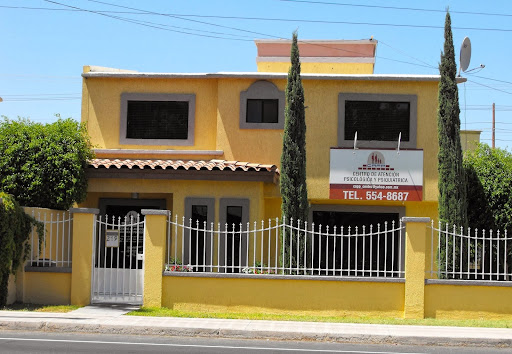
pixel 157 119
pixel 378 119
pixel 262 107
pixel 262 111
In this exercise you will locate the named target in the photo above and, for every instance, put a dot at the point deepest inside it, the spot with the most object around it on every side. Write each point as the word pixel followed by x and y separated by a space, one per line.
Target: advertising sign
pixel 369 174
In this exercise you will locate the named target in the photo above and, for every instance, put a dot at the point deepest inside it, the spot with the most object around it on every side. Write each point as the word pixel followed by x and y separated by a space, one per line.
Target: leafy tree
pixel 15 229
pixel 44 165
pixel 489 188
pixel 452 181
pixel 294 192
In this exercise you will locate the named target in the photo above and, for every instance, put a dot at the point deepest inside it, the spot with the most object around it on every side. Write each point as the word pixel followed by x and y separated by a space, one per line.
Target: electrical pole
pixel 493 124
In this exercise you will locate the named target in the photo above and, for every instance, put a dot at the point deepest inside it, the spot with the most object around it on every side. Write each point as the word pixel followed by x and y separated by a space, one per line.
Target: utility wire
pixel 396 8
pixel 181 18
pixel 124 19
pixel 490 87
pixel 159 26
pixel 488 78
pixel 407 55
pixel 239 29
pixel 303 20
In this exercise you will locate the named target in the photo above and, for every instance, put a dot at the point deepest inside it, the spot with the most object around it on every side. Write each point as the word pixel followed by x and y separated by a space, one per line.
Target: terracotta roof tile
pixel 220 165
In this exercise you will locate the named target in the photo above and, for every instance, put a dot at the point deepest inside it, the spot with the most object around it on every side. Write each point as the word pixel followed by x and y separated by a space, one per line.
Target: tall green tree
pixel 294 192
pixel 44 165
pixel 452 180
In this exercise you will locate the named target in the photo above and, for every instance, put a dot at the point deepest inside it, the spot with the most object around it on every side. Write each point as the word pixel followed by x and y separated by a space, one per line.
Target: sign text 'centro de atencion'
pixel 367 174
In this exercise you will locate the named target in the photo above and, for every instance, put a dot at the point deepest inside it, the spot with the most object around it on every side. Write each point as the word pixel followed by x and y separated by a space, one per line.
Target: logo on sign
pixel 376 162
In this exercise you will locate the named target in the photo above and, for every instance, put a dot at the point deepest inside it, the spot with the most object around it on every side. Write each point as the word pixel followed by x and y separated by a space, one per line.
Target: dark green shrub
pixel 15 229
pixel 44 165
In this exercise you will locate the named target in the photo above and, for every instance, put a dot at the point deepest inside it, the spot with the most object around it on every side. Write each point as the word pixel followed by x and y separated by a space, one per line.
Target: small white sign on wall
pixel 112 238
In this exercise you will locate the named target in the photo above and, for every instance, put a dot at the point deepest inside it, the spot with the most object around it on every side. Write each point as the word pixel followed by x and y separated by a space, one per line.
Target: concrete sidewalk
pixel 111 320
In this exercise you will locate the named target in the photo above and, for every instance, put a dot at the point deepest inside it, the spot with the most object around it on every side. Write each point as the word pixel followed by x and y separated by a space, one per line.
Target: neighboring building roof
pixel 178 169
pixel 262 75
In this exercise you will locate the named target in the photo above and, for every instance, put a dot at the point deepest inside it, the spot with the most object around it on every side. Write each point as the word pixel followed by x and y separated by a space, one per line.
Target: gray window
pixel 262 106
pixel 378 119
pixel 157 119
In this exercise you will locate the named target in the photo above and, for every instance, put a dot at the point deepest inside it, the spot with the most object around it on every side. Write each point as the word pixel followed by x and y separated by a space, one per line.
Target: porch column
pixel 81 268
pixel 415 252
pixel 154 255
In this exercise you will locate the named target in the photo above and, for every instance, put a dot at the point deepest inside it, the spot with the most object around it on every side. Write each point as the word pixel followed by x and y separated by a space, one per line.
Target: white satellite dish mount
pixel 465 57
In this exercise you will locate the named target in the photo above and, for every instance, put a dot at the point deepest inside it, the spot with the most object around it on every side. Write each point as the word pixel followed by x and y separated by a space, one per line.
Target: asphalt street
pixel 48 342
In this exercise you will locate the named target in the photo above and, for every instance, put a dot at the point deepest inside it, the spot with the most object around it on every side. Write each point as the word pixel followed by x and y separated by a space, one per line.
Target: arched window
pixel 262 106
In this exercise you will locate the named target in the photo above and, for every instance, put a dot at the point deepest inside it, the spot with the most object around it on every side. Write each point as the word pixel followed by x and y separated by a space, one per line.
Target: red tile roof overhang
pixel 212 170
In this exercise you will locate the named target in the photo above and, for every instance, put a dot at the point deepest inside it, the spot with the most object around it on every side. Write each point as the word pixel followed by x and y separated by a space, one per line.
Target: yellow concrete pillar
pixel 154 255
pixel 415 251
pixel 81 269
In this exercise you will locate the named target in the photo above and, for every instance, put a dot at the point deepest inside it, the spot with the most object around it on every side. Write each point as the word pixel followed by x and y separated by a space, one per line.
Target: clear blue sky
pixel 43 51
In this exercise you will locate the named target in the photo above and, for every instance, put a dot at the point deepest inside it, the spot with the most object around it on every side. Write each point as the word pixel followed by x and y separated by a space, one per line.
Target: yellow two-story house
pixel 207 146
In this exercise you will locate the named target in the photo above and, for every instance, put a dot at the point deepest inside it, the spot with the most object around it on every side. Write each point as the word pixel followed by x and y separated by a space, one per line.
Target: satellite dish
pixel 465 54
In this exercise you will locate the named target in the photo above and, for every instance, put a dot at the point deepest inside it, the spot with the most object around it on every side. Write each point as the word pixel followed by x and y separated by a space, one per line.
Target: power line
pixel 141 11
pixel 124 19
pixel 181 18
pixel 491 79
pixel 29 99
pixel 303 20
pixel 396 8
pixel 42 94
pixel 490 87
pixel 404 53
pixel 265 34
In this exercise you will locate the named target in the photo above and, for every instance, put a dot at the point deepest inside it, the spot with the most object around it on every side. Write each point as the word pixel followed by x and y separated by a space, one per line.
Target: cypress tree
pixel 452 181
pixel 294 192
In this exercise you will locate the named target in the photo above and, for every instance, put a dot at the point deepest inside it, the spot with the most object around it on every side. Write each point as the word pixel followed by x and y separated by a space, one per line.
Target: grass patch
pixel 166 312
pixel 18 306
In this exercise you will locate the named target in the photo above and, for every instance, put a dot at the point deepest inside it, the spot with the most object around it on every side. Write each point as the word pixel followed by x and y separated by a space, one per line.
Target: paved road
pixel 47 342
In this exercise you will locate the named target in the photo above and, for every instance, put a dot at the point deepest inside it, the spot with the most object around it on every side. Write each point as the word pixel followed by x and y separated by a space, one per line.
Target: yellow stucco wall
pixel 469 139
pixel 468 302
pixel 101 108
pixel 154 258
pixel 176 191
pixel 47 288
pixel 321 297
pixel 318 68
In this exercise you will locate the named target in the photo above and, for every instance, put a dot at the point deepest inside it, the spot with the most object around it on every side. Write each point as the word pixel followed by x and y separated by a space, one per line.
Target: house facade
pixel 207 146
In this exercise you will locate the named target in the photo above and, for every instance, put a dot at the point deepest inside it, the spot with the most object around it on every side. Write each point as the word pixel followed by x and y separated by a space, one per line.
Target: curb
pixel 48 326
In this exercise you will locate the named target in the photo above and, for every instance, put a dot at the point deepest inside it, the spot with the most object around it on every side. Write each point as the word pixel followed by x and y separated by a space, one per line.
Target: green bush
pixel 44 165
pixel 489 174
pixel 15 229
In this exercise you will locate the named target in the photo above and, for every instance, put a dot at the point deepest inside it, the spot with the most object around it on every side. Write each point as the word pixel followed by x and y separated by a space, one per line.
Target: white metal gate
pixel 118 260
